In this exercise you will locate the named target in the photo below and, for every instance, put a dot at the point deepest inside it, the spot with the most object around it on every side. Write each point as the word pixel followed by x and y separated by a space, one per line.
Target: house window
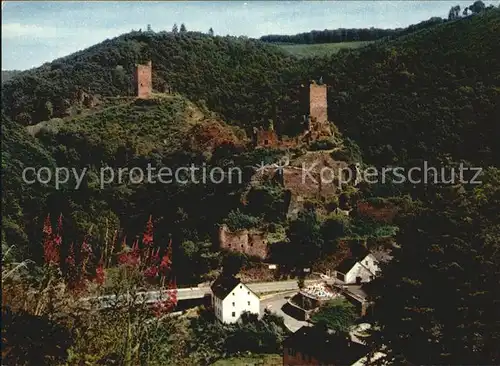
pixel 241 286
pixel 233 293
pixel 266 142
pixel 251 244
pixel 229 245
pixel 233 314
pixel 366 262
pixel 233 303
pixel 248 292
pixel 248 303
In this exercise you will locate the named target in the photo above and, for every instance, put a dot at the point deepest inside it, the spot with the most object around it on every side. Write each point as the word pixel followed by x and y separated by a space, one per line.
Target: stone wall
pixel 385 213
pixel 143 80
pixel 250 242
pixel 302 185
pixel 318 106
pixel 265 138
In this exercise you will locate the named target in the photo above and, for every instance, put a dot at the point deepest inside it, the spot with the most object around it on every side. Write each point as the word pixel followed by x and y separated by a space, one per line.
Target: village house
pixel 354 271
pixel 318 346
pixel 231 298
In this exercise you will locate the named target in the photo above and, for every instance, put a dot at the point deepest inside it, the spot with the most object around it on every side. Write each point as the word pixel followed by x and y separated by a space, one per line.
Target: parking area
pixel 275 303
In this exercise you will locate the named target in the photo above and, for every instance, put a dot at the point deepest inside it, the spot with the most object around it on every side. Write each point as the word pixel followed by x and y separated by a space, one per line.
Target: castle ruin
pixel 318 125
pixel 318 104
pixel 250 242
pixel 143 80
pixel 317 122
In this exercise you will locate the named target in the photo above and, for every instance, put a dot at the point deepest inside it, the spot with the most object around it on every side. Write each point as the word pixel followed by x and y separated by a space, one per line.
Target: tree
pixel 465 12
pixel 338 315
pixel 211 32
pixel 477 7
pixel 175 30
pixel 232 263
pixel 237 220
pixel 305 236
pixel 335 226
pixel 446 279
pixel 454 13
pixel 183 28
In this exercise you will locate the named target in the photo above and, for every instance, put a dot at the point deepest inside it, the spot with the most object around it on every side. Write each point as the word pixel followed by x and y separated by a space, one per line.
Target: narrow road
pixel 190 293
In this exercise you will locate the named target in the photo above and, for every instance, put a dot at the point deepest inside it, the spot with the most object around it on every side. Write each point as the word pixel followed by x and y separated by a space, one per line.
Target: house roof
pixel 325 346
pixel 382 255
pixel 346 265
pixel 224 285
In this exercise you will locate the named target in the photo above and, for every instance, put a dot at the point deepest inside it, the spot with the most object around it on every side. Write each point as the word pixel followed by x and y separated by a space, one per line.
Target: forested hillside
pixel 9 74
pixel 239 77
pixel 432 94
pixel 22 204
pixel 168 131
pixel 348 35
pixel 429 95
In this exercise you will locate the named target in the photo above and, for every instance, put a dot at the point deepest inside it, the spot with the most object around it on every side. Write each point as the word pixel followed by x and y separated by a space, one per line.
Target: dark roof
pixel 224 285
pixel 346 265
pixel 326 347
pixel 382 255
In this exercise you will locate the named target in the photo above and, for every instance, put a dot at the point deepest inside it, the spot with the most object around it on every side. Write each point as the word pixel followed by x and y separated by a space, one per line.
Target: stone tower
pixel 318 103
pixel 143 80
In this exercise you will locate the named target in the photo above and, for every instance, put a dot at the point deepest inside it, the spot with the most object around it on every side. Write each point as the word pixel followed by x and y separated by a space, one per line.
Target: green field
pixel 320 49
pixel 256 360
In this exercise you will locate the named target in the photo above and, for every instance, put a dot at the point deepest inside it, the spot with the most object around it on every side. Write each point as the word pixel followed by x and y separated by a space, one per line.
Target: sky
pixel 35 32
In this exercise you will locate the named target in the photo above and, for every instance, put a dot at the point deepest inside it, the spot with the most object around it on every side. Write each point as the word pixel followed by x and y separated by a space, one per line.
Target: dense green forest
pixel 348 35
pixel 430 92
pixel 431 95
pixel 241 78
pixel 9 74
pixel 371 34
pixel 437 301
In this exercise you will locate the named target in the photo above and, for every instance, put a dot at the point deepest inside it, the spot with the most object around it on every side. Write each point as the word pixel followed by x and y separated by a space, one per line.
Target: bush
pixel 322 144
pixel 237 220
pixel 212 340
pixel 350 153
pixel 338 315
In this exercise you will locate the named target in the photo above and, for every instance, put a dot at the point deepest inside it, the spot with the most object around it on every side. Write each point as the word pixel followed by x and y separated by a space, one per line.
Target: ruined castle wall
pixel 253 243
pixel 385 214
pixel 266 138
pixel 318 103
pixel 144 80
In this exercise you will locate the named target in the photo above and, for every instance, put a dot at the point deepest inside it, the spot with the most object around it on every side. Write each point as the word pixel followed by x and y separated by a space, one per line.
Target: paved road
pixel 276 302
pixel 258 288
pixel 200 292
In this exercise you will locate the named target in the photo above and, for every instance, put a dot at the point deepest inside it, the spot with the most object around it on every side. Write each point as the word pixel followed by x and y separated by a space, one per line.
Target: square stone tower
pixel 318 105
pixel 143 80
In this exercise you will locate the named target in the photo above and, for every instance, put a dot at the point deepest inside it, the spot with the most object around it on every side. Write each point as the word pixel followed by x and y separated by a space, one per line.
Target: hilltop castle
pixel 317 119
pixel 143 80
pixel 317 122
